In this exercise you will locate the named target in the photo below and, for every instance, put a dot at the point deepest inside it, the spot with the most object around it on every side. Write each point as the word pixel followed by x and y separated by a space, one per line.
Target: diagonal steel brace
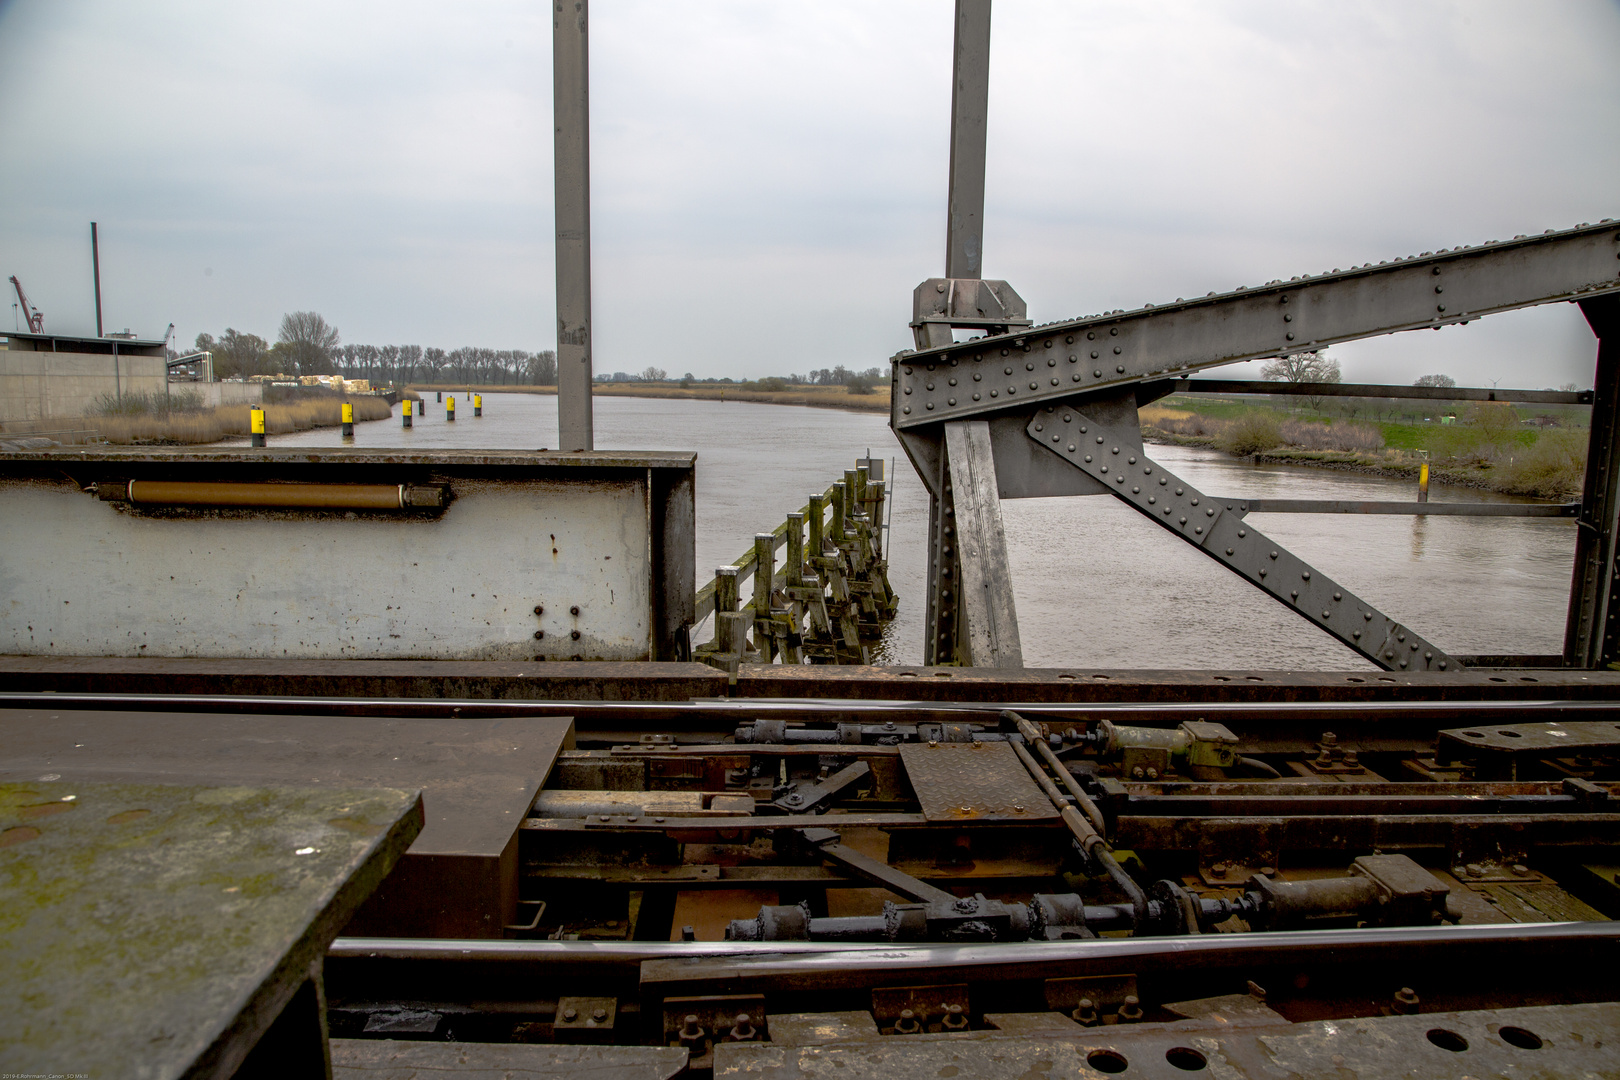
pixel 1114 457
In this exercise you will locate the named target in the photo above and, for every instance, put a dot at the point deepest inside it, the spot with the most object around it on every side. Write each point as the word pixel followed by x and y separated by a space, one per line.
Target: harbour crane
pixel 36 321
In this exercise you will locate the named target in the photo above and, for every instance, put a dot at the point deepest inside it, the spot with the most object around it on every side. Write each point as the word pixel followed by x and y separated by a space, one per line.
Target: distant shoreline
pixel 815 397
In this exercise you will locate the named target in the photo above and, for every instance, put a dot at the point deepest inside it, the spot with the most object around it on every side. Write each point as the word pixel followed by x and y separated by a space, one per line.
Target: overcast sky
pixel 769 179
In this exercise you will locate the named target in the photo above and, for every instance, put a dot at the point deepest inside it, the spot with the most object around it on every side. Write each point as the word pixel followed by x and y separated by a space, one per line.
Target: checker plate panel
pixel 981 781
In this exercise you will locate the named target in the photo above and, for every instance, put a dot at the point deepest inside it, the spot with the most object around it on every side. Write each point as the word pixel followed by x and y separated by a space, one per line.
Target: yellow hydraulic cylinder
pixel 256 425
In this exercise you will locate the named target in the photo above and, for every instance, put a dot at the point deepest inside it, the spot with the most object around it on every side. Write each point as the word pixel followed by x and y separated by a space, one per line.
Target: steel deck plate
pixel 981 781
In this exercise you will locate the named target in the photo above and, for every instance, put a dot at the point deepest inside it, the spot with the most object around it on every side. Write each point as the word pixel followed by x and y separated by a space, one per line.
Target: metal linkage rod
pixel 1114 458
pixel 1376 390
pixel 1119 348
pixel 1091 841
pixel 1352 506
pixel 1033 736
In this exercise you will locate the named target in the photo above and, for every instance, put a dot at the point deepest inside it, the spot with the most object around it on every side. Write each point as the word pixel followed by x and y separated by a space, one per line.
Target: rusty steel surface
pixel 1112 685
pixel 469 682
pixel 401 1059
pixel 1512 1044
pixel 976 781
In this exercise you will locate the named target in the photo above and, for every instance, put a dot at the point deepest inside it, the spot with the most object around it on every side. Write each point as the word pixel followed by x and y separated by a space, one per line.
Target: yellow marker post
pixel 450 408
pixel 256 425
pixel 348 420
pixel 478 405
pixel 1423 483
pixel 405 411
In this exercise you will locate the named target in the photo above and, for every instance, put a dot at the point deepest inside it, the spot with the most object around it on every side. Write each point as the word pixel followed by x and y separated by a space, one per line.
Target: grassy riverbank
pixel 136 420
pixel 764 392
pixel 1488 446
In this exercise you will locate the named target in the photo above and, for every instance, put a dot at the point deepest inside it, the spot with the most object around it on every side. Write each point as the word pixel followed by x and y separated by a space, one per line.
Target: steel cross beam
pixel 1122 348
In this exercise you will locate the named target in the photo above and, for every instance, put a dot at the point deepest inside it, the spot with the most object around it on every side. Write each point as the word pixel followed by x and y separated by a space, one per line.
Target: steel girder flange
pixel 1120 348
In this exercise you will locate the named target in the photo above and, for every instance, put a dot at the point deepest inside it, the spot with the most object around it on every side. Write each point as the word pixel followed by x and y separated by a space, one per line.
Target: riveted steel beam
pixel 1115 349
pixel 1113 456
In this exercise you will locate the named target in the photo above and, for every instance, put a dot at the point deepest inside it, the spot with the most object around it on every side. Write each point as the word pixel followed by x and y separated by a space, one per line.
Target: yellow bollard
pixel 478 405
pixel 450 408
pixel 405 413
pixel 1423 483
pixel 348 420
pixel 256 425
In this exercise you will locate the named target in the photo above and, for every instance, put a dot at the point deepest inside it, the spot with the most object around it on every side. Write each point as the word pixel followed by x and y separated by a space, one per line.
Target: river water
pixel 1095 585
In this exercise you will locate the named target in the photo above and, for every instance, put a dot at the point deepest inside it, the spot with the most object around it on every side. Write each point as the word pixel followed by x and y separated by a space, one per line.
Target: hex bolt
pixel 1475 870
pixel 599 1015
pixel 539 635
pixel 1520 868
pixel 1130 1011
pixel 1406 1001
pixel 539 610
pixel 570 1015
pixel 1086 1013
pixel 574 610
pixel 907 1024
pixel 691 1034
pixel 575 635
pixel 954 1019
pixel 742 1030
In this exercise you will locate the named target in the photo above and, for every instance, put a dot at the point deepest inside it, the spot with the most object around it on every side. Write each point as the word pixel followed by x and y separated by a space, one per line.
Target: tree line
pixel 308 345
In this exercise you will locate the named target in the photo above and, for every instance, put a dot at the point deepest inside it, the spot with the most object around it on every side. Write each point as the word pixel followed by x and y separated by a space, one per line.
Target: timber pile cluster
pixel 830 601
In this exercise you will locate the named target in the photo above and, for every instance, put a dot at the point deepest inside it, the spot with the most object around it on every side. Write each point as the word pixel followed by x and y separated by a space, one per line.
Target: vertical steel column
pixel 988 635
pixel 970 101
pixel 570 80
pixel 95 268
pixel 970 617
pixel 1590 634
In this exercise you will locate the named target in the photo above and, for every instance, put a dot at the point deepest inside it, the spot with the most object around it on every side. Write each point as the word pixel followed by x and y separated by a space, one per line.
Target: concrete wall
pixel 38 385
pixel 223 393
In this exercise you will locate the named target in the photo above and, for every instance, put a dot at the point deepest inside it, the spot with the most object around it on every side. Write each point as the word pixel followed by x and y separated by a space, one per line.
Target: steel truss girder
pixel 1114 458
pixel 1116 349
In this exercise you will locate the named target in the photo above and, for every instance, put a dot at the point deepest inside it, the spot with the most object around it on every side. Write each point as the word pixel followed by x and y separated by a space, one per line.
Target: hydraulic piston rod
pixel 275 496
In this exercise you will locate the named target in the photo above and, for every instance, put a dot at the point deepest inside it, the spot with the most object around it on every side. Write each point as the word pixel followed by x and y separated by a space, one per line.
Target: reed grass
pixel 211 425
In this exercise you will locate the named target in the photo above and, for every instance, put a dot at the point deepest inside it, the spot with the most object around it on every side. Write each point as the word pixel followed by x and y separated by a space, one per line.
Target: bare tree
pixel 1302 367
pixel 542 368
pixel 654 374
pixel 308 341
pixel 1434 380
